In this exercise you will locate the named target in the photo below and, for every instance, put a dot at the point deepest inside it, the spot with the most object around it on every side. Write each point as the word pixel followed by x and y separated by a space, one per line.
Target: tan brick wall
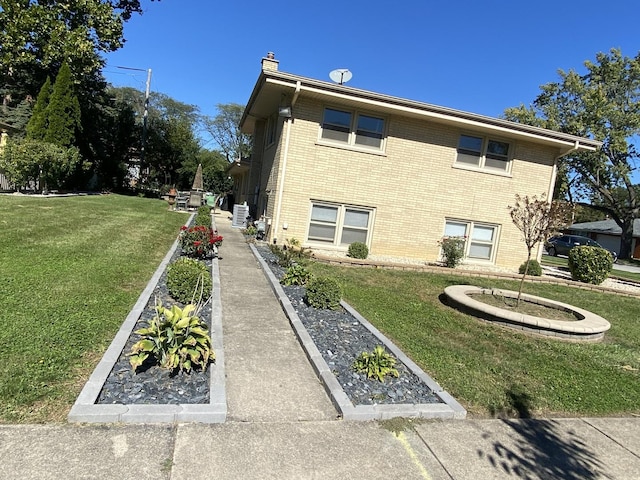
pixel 413 186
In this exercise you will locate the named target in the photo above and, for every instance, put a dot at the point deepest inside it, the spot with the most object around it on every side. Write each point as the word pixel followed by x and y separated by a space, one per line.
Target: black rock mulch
pixel 340 338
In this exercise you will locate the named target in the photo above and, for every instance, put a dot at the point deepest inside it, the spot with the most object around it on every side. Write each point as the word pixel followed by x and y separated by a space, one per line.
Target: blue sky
pixel 476 56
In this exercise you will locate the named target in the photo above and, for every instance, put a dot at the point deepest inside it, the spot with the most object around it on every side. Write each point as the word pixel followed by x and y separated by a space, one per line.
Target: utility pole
pixel 145 115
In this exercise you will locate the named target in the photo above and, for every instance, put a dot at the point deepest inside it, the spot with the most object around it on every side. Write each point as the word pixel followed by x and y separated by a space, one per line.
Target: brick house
pixel 333 164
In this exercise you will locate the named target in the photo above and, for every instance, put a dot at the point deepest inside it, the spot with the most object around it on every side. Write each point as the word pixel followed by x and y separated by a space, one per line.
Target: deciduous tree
pixel 603 103
pixel 225 130
pixel 537 219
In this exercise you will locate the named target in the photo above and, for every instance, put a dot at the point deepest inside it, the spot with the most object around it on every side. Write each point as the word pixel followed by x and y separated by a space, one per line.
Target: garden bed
pixel 333 339
pixel 114 393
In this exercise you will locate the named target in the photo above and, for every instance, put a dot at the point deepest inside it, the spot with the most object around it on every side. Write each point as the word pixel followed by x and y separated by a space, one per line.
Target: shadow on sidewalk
pixel 541 448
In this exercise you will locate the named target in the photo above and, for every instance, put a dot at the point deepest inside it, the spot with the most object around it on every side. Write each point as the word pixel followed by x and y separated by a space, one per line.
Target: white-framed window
pixel 339 224
pixel 483 152
pixel 480 238
pixel 353 128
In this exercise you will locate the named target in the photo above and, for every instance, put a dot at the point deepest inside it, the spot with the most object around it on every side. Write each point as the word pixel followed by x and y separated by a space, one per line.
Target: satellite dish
pixel 340 75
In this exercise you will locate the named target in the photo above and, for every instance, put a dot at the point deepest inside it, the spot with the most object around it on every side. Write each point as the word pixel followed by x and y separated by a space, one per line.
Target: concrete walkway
pixel 281 424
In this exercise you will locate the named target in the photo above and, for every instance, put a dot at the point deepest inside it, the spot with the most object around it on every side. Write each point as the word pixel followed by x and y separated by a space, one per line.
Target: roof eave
pixel 409 107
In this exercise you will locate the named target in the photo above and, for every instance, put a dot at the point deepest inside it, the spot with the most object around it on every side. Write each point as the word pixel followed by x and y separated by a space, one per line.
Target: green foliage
pixel 203 217
pixel 289 255
pixel 199 241
pixel 225 130
pixel 175 339
pixel 295 275
pixel 27 162
pixel 323 292
pixel 250 231
pixel 376 364
pixel 452 250
pixel 37 125
pixel 63 111
pixel 590 264
pixel 601 104
pixel 189 280
pixel 358 250
pixel 534 268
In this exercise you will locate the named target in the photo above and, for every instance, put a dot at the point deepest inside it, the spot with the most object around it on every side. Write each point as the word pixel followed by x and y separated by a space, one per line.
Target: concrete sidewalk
pixel 281 424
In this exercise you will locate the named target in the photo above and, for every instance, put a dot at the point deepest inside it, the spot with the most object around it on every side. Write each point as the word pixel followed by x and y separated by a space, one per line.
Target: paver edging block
pixel 449 408
pixel 85 408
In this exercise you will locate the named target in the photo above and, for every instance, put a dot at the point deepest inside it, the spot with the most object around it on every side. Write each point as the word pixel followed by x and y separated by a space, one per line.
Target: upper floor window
pixel 352 128
pixel 483 152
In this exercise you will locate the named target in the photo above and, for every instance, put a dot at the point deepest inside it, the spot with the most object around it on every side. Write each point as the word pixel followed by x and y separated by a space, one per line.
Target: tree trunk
pixel 526 270
pixel 626 239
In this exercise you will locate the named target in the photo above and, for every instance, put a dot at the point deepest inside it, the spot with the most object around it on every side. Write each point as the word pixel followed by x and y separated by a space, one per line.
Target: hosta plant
pixel 296 274
pixel 376 364
pixel 175 339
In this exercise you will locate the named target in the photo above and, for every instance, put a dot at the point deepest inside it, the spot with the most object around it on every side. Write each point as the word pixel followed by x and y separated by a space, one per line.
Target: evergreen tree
pixel 37 125
pixel 63 112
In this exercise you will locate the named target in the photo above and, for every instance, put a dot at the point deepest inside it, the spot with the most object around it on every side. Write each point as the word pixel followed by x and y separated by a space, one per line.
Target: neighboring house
pixel 608 234
pixel 333 164
pixel 5 129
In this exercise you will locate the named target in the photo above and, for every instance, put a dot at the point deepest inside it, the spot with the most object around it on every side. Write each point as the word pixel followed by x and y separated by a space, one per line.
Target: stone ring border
pixel 588 327
pixel 449 408
pixel 85 408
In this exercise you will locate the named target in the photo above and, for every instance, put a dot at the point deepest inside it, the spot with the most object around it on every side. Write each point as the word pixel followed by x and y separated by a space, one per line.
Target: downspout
pixel 285 157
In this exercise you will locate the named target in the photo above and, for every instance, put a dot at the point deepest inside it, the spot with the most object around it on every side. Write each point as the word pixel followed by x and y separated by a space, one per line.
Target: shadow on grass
pixel 540 448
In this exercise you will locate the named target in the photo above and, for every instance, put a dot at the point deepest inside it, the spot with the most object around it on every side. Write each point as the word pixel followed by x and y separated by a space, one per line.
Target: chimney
pixel 269 62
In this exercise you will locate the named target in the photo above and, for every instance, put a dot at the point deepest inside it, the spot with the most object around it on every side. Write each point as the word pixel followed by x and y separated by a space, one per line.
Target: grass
pixel 495 371
pixel 72 268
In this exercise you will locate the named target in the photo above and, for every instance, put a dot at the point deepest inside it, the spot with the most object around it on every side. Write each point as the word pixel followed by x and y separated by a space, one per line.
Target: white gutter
pixel 440 117
pixel 285 157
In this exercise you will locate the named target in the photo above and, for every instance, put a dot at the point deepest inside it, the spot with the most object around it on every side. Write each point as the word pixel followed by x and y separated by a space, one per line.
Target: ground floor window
pixel 480 238
pixel 339 224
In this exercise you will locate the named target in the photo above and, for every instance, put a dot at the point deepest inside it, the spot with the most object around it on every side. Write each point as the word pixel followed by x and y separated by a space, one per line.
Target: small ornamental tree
pixel 537 219
pixel 63 111
pixel 37 125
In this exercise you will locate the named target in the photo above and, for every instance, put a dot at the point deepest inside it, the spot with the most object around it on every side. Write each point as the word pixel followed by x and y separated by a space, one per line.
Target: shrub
pixel 287 256
pixel 376 364
pixel 175 338
pixel 199 241
pixel 358 250
pixel 323 292
pixel 296 275
pixel 535 270
pixel 203 217
pixel 188 279
pixel 452 250
pixel 590 264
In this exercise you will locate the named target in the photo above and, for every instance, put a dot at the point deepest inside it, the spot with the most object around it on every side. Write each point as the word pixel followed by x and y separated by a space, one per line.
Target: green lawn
pixel 495 371
pixel 71 269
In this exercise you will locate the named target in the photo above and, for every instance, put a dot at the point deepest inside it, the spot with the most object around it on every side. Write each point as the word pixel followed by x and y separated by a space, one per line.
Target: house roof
pixel 274 88
pixel 608 226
